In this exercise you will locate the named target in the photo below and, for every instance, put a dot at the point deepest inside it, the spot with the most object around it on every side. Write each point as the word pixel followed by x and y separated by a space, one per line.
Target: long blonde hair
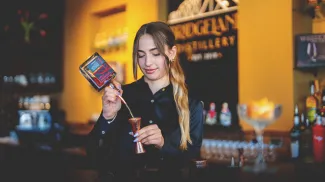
pixel 163 35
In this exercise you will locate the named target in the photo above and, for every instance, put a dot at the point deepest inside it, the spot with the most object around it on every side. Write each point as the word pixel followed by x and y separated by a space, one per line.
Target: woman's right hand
pixel 111 103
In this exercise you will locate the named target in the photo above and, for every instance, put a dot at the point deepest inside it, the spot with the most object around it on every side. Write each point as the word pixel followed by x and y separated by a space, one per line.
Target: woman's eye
pixel 140 56
pixel 157 54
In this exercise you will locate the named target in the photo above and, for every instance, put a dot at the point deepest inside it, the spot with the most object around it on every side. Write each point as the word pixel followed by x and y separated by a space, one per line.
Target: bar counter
pixel 68 162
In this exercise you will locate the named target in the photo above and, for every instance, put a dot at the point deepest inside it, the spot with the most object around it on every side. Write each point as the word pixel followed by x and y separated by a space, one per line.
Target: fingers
pixel 110 95
pixel 147 129
pixel 111 91
pixel 153 139
pixel 149 135
pixel 116 84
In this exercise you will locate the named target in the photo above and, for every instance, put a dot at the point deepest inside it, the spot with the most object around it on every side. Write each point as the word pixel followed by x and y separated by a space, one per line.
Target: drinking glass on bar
pixel 136 123
pixel 259 116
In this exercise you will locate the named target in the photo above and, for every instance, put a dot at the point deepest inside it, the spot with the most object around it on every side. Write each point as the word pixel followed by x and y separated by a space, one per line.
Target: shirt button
pixel 163 89
pixel 103 132
pixel 162 158
pixel 150 121
pixel 152 101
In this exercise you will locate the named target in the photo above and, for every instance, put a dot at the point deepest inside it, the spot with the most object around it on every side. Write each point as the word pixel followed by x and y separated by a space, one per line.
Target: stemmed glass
pixel 259 124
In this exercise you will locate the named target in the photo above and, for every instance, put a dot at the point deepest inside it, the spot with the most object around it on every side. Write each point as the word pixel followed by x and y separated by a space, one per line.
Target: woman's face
pixel 151 62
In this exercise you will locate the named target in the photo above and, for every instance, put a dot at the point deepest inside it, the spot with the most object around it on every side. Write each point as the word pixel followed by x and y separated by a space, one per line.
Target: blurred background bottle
pixel 311 105
pixel 295 134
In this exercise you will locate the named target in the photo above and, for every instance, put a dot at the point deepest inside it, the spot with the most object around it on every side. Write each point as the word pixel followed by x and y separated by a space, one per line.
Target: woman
pixel 171 122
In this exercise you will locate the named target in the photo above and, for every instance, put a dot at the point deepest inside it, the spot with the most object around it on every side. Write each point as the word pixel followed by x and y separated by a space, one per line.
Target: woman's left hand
pixel 150 135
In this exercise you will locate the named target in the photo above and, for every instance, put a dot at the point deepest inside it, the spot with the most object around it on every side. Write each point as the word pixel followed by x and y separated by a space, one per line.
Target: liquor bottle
pixel 322 109
pixel 295 134
pixel 317 93
pixel 20 103
pixel 97 71
pixel 306 149
pixel 318 140
pixel 296 114
pixel 311 105
pixel 302 122
pixel 225 115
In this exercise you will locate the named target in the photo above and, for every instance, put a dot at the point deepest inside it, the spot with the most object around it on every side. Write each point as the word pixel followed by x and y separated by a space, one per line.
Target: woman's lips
pixel 150 71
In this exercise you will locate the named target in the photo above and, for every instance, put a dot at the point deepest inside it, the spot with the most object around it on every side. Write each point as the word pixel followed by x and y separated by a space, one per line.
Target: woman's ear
pixel 172 53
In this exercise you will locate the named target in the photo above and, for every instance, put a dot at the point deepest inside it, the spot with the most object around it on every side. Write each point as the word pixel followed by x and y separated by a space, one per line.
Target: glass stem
pixel 260 142
pixel 259 139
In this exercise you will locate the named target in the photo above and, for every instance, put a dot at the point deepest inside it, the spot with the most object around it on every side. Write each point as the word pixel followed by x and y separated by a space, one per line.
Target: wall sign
pixel 206 39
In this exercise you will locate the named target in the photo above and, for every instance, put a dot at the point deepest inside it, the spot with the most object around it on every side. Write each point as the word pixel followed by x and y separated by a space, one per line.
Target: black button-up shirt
pixel 112 144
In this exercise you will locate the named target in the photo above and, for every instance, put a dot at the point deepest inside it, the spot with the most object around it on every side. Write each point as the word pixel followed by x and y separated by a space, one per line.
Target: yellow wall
pixel 266 55
pixel 78 99
pixel 318 26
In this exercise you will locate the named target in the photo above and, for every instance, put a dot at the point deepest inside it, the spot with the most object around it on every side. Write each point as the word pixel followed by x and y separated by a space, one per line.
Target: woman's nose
pixel 149 60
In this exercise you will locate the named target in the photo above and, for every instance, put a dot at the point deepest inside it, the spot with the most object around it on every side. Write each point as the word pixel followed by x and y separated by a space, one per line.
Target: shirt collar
pixel 144 85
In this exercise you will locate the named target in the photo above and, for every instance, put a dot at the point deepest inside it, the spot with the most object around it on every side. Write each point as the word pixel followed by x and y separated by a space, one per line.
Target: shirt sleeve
pixel 100 132
pixel 105 125
pixel 171 146
pixel 96 135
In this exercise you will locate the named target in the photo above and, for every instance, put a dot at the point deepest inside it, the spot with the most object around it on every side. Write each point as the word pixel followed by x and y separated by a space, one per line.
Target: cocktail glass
pixel 259 124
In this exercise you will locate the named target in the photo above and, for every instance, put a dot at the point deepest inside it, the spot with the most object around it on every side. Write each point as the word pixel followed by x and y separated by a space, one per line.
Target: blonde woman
pixel 172 123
